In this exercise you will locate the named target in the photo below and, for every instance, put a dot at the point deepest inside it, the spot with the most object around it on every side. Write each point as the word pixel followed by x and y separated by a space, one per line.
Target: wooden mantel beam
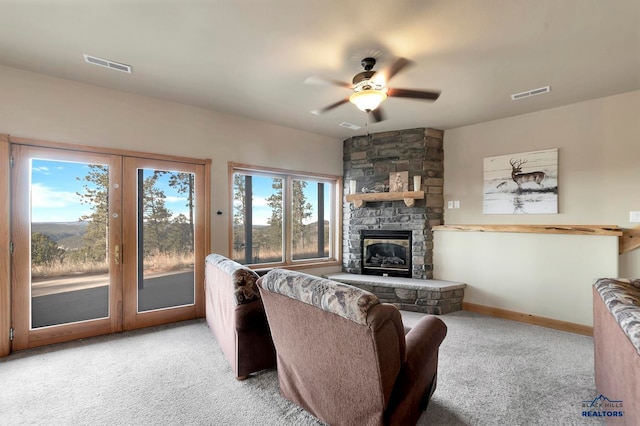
pixel 408 197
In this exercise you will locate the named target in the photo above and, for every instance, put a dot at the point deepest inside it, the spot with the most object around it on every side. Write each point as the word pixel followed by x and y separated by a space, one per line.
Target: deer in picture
pixel 520 178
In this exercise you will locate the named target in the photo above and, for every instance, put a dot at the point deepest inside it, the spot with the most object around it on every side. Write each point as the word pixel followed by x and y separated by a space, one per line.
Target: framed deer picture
pixel 524 183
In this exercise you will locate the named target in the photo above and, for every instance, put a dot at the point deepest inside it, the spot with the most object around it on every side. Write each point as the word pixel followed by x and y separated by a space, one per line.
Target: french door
pixel 165 249
pixel 103 243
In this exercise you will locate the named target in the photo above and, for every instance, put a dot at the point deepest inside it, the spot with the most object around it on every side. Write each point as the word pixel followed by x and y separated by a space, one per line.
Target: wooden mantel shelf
pixel 409 197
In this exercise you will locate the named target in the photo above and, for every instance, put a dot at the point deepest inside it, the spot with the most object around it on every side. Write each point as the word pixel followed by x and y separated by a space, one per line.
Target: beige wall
pixel 548 276
pixel 598 141
pixel 598 176
pixel 40 107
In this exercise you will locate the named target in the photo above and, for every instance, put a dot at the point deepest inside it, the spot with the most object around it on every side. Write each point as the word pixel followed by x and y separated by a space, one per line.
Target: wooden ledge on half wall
pixel 613 230
pixel 629 239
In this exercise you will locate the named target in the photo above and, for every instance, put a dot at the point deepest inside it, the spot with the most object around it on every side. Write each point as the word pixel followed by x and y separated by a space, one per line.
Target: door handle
pixel 116 254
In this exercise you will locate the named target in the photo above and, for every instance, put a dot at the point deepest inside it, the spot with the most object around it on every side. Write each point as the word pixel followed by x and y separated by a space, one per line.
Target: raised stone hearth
pixel 409 294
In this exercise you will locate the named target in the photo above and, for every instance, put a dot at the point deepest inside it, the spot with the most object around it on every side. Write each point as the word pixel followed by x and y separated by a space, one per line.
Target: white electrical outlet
pixel 450 204
pixel 456 204
pixel 634 216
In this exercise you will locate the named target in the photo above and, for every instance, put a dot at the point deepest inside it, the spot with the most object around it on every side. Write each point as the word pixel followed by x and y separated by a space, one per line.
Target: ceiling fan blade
pixel 330 107
pixel 377 115
pixel 414 94
pixel 314 79
pixel 386 74
pixel 397 66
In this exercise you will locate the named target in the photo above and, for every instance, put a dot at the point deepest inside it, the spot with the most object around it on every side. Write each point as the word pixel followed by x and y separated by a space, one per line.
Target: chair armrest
pixel 250 316
pixel 417 374
pixel 423 340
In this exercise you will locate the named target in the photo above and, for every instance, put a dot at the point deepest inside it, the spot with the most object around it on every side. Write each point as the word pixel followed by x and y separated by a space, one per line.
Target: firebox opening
pixel 386 253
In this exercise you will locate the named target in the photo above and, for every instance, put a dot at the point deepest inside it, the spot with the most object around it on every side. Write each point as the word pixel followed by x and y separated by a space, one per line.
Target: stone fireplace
pixel 386 253
pixel 369 160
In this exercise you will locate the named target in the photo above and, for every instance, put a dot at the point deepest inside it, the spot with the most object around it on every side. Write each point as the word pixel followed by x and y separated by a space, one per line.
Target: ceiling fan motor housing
pixel 368 63
pixel 366 75
pixel 367 92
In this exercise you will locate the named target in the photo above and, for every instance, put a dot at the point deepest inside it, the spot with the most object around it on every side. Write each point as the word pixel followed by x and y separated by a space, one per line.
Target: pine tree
pixel 239 206
pixel 275 222
pixel 156 216
pixel 184 184
pixel 301 210
pixel 96 195
pixel 44 250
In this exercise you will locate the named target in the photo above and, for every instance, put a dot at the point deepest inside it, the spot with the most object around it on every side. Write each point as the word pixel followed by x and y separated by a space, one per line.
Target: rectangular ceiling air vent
pixel 349 126
pixel 107 64
pixel 529 93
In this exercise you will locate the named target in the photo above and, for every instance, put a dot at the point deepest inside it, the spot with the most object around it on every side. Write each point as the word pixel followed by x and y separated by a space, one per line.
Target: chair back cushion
pixel 622 298
pixel 339 350
pixel 344 300
pixel 244 279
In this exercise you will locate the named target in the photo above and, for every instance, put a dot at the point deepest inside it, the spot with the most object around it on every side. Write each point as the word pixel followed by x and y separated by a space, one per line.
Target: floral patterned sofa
pixel 343 356
pixel 235 314
pixel 616 337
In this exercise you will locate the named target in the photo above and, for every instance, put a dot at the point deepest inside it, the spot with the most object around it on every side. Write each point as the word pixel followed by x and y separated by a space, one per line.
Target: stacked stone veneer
pixel 418 300
pixel 369 160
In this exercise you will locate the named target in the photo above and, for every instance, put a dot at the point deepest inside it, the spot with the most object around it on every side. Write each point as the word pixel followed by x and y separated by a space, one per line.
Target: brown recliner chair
pixel 343 356
pixel 235 314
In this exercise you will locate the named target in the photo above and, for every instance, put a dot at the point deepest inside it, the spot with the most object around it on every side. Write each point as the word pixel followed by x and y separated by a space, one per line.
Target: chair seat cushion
pixel 341 299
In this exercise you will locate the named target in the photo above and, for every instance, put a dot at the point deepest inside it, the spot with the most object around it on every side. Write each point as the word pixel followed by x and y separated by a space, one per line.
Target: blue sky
pixel 54 187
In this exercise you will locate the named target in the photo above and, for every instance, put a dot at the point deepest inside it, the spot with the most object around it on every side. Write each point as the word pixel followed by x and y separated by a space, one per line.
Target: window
pixel 282 217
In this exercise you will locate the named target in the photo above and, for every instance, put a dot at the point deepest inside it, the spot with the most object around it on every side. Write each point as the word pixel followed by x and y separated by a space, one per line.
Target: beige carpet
pixel 492 372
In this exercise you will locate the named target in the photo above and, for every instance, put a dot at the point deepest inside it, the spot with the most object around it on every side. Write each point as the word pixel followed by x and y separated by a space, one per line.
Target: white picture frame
pixel 521 183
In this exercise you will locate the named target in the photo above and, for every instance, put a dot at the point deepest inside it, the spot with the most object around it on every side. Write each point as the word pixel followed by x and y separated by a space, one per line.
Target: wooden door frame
pixel 5 223
pixel 5 256
pixel 25 336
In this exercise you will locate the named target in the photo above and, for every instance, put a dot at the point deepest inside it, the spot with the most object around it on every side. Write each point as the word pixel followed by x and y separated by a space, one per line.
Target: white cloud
pixel 44 170
pixel 259 202
pixel 174 199
pixel 45 197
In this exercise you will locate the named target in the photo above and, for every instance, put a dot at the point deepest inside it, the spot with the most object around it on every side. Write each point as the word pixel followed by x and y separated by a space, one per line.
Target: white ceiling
pixel 251 57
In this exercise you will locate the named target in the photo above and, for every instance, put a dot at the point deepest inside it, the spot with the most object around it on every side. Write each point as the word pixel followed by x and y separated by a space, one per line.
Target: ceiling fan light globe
pixel 368 100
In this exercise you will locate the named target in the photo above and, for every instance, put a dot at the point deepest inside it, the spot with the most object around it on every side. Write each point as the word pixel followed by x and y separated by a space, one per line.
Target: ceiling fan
pixel 370 88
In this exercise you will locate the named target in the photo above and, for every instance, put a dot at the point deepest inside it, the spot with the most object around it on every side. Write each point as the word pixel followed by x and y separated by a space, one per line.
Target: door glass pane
pixel 310 219
pixel 69 245
pixel 257 219
pixel 166 273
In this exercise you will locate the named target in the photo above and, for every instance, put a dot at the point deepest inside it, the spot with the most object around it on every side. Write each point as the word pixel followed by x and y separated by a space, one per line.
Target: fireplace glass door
pixel 386 253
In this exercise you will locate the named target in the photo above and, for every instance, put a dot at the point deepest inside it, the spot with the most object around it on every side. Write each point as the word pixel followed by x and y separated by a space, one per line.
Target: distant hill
pixel 68 235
